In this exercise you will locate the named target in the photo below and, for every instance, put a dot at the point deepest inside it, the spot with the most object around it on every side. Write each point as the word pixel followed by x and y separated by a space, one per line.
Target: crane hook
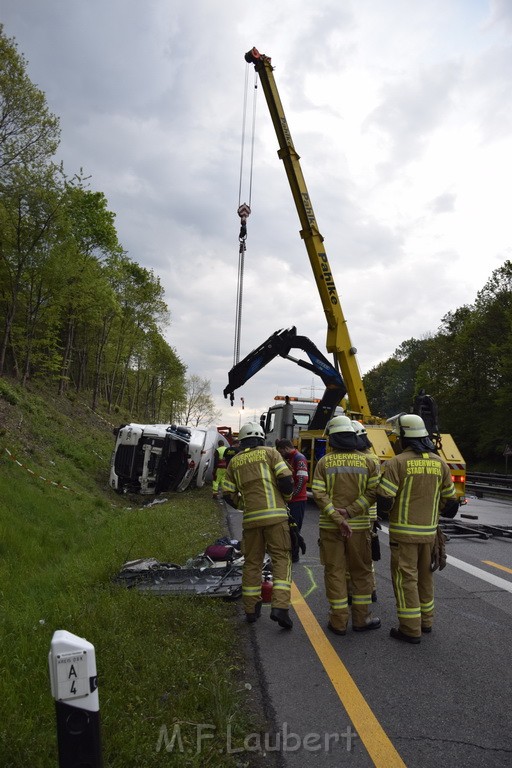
pixel 244 212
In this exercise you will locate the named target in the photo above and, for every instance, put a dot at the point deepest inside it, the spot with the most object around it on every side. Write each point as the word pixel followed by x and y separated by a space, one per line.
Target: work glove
pixel 438 560
pixel 295 536
pixel 375 541
pixel 450 508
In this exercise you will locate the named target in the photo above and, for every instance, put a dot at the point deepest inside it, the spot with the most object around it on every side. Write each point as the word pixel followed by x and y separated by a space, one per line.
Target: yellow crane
pixel 338 341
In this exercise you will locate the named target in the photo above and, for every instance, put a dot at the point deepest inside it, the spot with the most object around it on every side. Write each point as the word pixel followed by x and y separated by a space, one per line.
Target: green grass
pixel 164 663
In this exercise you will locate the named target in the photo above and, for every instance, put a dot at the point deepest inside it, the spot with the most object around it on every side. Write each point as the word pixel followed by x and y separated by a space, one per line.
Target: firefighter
pixel 344 486
pixel 259 482
pixel 413 485
pixel 219 468
pixel 297 504
pixel 365 446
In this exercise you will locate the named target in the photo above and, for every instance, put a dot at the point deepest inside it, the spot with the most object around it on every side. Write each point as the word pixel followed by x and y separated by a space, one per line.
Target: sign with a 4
pixel 72 675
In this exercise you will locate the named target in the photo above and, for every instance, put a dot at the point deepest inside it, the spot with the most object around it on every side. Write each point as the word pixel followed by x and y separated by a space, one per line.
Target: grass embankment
pixel 161 661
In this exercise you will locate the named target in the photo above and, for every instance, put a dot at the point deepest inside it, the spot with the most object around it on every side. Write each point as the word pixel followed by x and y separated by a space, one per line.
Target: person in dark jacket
pixel 231 451
pixel 297 504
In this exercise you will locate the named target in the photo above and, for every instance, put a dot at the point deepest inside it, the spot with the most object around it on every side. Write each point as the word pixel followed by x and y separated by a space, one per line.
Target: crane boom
pixel 338 340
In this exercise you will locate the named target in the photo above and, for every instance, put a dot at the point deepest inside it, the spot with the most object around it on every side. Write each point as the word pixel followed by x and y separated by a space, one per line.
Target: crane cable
pixel 244 210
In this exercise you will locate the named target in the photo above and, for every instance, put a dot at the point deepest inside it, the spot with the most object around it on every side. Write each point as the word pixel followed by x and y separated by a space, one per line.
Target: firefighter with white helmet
pixel 365 446
pixel 414 485
pixel 259 482
pixel 344 486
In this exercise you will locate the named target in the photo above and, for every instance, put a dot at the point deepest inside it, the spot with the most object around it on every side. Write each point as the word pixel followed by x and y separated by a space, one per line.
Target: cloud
pixel 410 111
pixel 444 203
pixel 400 112
pixel 500 14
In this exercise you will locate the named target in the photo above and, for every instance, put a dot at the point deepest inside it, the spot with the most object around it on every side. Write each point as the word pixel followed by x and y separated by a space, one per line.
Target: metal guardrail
pixel 489 484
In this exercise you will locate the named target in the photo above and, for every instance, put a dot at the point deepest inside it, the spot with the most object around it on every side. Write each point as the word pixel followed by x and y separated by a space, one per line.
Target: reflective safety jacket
pixel 219 460
pixel 417 482
pixel 345 480
pixel 252 474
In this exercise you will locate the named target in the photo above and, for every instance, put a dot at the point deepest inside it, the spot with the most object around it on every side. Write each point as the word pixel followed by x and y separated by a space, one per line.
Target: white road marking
pixel 490 578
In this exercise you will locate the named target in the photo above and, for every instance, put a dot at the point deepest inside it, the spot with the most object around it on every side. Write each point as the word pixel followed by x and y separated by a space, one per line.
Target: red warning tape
pixel 40 477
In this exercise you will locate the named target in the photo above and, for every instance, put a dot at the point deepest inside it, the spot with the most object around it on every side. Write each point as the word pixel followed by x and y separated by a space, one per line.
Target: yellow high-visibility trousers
pixel 220 473
pixel 413 585
pixel 275 540
pixel 360 567
pixel 338 556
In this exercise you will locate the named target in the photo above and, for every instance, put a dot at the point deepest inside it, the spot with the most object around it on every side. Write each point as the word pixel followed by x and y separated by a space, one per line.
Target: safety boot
pixel 281 616
pixel 369 624
pixel 397 634
pixel 341 632
pixel 252 617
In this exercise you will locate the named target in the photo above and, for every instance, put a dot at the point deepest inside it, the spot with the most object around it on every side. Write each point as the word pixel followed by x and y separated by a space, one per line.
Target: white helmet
pixel 359 428
pixel 251 429
pixel 338 424
pixel 408 425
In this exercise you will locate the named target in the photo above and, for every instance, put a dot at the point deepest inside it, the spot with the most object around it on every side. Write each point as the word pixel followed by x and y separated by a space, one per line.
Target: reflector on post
pixel 74 686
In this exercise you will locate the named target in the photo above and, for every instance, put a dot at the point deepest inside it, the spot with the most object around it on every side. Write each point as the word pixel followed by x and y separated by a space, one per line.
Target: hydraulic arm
pixel 280 344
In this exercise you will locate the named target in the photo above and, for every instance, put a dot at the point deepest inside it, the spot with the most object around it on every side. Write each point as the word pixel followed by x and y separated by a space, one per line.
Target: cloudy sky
pixel 401 111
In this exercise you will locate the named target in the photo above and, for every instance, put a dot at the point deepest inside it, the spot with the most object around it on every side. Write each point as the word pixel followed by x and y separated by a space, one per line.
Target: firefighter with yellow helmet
pixel 414 486
pixel 344 487
pixel 259 482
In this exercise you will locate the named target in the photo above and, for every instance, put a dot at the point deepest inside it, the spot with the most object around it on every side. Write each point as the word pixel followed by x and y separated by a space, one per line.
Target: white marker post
pixel 74 685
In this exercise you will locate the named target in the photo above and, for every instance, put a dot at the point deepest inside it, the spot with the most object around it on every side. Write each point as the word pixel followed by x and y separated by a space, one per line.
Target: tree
pixel 143 313
pixel 466 367
pixel 29 206
pixel 493 308
pixel 165 383
pixel 29 133
pixel 73 306
pixel 198 407
pixel 90 300
pixel 392 385
pixel 29 197
pixel 383 385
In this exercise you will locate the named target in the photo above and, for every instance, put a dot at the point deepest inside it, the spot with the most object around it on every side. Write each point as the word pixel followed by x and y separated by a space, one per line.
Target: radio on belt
pixel 74 686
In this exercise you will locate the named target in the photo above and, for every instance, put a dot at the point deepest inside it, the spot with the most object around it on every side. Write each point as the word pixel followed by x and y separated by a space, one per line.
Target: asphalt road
pixel 367 700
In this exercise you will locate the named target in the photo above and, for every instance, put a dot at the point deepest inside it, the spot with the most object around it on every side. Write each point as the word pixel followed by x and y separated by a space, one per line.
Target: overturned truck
pixel 155 458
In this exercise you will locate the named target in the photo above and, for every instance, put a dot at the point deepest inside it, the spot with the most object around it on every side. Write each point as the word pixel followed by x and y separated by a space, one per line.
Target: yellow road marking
pixel 497 565
pixel 369 730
